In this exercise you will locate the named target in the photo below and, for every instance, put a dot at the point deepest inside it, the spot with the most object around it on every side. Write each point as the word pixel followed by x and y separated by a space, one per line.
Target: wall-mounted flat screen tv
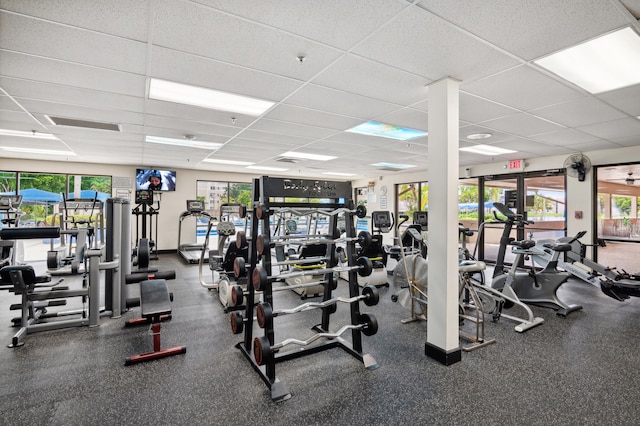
pixel 156 179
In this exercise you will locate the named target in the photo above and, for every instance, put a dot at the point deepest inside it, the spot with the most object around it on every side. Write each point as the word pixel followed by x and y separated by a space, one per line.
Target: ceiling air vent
pixel 289 160
pixel 61 121
pixel 390 169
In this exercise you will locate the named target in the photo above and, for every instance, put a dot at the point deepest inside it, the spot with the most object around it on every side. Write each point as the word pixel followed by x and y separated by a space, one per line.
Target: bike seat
pixel 524 244
pixel 562 247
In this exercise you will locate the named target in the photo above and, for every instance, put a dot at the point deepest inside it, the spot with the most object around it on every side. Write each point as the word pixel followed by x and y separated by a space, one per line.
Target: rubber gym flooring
pixel 579 370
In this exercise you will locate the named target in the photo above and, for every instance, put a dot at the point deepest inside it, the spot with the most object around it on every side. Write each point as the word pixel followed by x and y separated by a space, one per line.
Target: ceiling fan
pixel 629 180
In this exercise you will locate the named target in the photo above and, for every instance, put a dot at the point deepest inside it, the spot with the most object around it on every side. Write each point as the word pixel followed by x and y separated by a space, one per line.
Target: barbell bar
pixel 260 279
pixel 238 293
pixel 263 351
pixel 364 238
pixel 262 210
pixel 265 313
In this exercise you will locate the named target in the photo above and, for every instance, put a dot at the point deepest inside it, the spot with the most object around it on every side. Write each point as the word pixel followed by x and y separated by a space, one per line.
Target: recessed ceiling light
pixel 37 151
pixel 339 174
pixel 393 165
pixel 268 169
pixel 318 157
pixel 191 143
pixel 206 98
pixel 232 162
pixel 32 134
pixel 487 150
pixel 374 128
pixel 605 63
pixel 476 136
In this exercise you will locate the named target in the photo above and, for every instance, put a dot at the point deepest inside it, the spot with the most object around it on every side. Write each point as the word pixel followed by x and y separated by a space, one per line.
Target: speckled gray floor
pixel 583 369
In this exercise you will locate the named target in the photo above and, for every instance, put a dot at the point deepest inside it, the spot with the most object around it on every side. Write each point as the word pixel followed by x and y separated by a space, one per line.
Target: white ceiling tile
pixel 291 129
pixel 521 124
pixel 626 99
pixel 626 127
pixel 293 114
pixel 338 102
pixel 593 146
pixel 522 145
pixel 372 79
pixel 172 65
pixel 51 71
pixel 85 13
pixel 553 24
pixel 565 137
pixel 422 44
pixel 406 117
pixel 248 44
pixel 270 137
pixel 66 43
pixel 579 112
pixel 20 88
pixel 522 88
pixel 474 109
pixel 310 19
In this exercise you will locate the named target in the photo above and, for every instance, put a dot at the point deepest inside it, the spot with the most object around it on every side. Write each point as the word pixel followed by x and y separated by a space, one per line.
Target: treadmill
pixel 191 252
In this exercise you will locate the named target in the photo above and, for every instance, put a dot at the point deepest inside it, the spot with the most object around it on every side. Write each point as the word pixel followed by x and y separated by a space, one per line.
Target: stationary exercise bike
pixel 536 288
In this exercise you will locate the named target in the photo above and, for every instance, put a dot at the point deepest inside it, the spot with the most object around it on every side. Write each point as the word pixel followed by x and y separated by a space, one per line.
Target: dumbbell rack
pixel 269 196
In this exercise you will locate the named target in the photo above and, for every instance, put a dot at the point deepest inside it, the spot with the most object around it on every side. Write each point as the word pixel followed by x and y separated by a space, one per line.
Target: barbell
pixel 261 279
pixel 238 293
pixel 262 210
pixel 265 313
pixel 364 238
pixel 263 351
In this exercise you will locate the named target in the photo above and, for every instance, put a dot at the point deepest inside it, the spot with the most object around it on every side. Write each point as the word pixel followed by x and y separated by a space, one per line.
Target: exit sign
pixel 516 165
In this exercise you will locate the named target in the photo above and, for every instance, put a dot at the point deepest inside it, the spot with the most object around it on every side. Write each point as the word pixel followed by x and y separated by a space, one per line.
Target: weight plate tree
pixel 272 196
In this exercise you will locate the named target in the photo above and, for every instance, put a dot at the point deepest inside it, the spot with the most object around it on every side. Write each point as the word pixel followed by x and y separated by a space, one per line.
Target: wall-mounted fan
pixel 577 165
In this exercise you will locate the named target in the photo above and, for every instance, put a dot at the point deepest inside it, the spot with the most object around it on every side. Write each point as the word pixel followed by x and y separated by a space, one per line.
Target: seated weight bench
pixel 155 304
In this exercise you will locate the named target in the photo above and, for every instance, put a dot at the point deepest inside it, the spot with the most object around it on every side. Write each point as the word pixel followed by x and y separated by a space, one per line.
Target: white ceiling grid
pixel 363 60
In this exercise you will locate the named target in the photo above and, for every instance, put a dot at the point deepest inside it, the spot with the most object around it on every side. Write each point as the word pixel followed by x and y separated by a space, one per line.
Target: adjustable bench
pixel 155 305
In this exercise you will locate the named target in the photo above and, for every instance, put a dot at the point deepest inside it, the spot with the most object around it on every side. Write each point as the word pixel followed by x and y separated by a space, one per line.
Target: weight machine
pixel 81 220
pixel 144 211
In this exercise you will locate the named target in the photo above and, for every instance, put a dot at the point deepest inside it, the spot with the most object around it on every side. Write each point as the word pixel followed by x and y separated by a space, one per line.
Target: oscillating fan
pixel 577 165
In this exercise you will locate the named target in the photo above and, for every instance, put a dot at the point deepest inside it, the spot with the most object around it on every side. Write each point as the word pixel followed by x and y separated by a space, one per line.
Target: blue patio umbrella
pixel 34 195
pixel 90 193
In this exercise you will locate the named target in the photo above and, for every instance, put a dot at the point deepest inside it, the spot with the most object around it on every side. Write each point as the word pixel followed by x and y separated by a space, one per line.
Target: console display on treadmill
pixel 195 206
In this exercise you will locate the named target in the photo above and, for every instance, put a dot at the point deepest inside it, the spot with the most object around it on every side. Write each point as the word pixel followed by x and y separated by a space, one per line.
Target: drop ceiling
pixel 328 65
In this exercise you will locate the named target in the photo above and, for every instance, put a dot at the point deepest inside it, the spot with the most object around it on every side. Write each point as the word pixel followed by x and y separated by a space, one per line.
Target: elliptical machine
pixel 536 288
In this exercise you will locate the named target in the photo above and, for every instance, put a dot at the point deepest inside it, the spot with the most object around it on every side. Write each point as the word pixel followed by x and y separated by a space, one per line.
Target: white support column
pixel 442 322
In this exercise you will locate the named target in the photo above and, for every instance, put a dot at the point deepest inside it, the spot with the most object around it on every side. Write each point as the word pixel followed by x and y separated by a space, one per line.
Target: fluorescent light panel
pixel 191 143
pixel 374 128
pixel 37 151
pixel 32 134
pixel 393 165
pixel 268 169
pixel 606 63
pixel 170 91
pixel 231 162
pixel 339 174
pixel 318 157
pixel 487 150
